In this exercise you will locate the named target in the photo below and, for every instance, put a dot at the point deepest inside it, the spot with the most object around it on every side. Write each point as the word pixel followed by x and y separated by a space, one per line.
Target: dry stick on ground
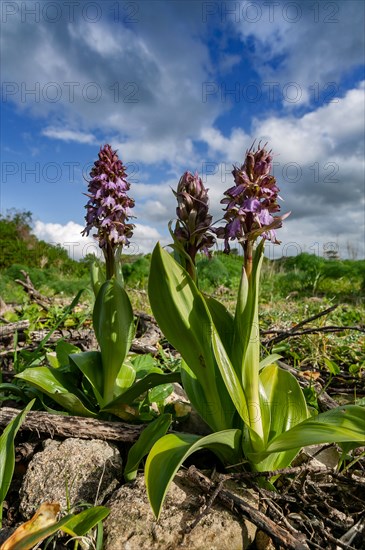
pixel 293 331
pixel 231 501
pixel 72 426
pixel 33 293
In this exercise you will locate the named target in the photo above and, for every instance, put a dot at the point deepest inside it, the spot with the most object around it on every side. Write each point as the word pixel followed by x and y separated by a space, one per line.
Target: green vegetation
pixel 292 289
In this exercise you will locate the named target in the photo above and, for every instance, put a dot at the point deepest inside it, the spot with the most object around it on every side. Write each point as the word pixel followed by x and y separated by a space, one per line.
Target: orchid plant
pixel 256 410
pixel 110 379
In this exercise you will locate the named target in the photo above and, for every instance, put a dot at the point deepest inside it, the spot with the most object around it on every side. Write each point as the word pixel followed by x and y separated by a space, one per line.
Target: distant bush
pixel 212 273
pixel 136 272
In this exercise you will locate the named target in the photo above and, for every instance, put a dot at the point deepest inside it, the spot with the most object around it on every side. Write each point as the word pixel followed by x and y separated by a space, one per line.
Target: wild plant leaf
pixel 126 377
pixel 152 433
pixel 91 366
pixel 158 394
pixel 270 360
pixel 184 318
pixel 345 424
pixel 246 343
pixel 113 323
pixel 286 407
pixel 223 321
pixel 97 276
pixel 7 453
pixel 57 386
pixel 63 350
pixel 230 379
pixel 169 452
pixel 34 531
pixel 140 387
pixel 80 524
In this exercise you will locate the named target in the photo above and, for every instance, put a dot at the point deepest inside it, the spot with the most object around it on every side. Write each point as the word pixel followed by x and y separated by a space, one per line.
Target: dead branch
pixel 283 335
pixel 72 426
pixel 33 292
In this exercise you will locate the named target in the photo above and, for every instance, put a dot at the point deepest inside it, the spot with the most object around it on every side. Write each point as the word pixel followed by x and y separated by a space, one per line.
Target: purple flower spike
pixel 194 221
pixel 252 201
pixel 108 205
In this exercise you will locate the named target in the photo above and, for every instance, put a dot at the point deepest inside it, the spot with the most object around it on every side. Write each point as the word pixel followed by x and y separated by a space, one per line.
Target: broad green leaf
pixel 7 453
pixel 52 360
pixel 158 394
pixel 80 524
pixel 114 329
pixel 196 394
pixel 246 342
pixel 344 424
pixel 184 318
pixel 126 377
pixel 223 321
pixel 270 360
pixel 56 386
pixel 283 408
pixel 230 379
pixel 63 350
pixel 140 387
pixel 169 452
pixel 97 276
pixel 152 433
pixel 91 366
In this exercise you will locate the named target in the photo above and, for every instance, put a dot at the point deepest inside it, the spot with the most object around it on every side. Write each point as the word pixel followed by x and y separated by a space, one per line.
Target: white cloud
pixel 311 44
pixel 69 237
pixel 68 135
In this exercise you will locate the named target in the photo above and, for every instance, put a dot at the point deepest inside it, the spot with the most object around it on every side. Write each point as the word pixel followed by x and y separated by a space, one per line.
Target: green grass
pixel 292 289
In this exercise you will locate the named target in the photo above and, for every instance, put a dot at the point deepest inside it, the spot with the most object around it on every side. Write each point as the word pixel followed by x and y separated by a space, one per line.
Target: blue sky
pixel 178 86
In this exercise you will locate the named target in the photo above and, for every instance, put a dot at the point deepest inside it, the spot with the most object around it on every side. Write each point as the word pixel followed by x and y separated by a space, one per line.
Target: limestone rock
pixel 86 470
pixel 132 526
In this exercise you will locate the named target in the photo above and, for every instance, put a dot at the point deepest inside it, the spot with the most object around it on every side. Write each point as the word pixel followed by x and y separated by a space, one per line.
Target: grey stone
pixel 86 470
pixel 132 526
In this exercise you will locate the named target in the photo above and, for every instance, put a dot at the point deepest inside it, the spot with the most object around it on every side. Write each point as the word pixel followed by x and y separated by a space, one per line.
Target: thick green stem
pixel 109 261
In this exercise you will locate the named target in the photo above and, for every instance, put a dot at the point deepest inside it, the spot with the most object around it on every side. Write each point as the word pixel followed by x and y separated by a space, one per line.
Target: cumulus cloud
pixel 311 44
pixel 68 135
pixel 69 237
pixel 140 82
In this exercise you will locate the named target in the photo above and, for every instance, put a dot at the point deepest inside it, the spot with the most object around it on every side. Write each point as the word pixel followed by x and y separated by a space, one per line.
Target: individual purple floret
pixel 252 201
pixel 108 205
pixel 193 219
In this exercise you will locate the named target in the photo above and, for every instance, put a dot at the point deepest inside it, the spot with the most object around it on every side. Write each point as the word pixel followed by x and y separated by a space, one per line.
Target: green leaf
pixel 146 440
pixel 332 366
pixel 114 329
pixel 125 379
pixel 270 360
pixel 90 364
pixel 158 394
pixel 63 350
pixel 67 310
pixel 52 360
pixel 230 379
pixel 97 276
pixel 56 386
pixel 81 523
pixel 7 452
pixel 169 452
pixel 246 341
pixel 184 318
pixel 283 408
pixel 344 424
pixel 223 321
pixel 140 387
